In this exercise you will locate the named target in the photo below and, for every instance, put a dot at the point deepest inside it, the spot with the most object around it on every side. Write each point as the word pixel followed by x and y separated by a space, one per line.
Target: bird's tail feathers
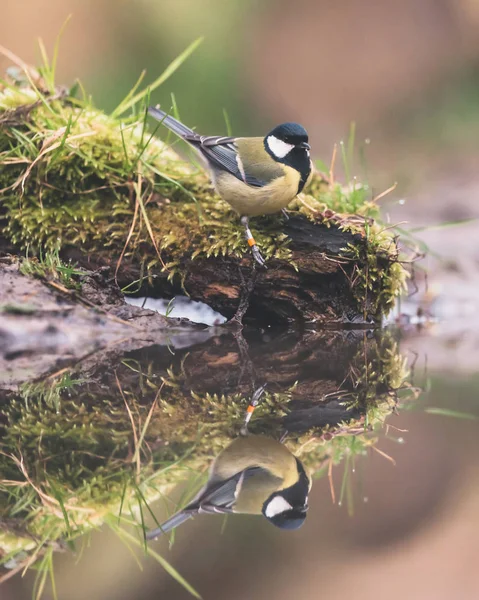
pixel 182 130
pixel 170 524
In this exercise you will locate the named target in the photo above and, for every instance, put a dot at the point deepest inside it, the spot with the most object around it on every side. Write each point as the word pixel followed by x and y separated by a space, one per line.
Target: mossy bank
pixel 103 191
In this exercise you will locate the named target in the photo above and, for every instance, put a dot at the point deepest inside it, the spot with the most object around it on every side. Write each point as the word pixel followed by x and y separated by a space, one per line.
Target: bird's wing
pixel 177 519
pixel 218 498
pixel 221 152
pixel 221 497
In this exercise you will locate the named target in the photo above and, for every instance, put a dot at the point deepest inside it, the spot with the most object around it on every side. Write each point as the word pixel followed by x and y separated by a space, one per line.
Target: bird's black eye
pixel 294 140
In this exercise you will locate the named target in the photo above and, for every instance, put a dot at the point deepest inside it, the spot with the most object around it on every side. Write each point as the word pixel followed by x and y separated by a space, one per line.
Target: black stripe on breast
pixel 304 178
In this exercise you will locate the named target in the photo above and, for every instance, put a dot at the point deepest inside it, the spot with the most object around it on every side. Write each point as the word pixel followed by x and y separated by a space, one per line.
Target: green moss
pixel 382 277
pixel 70 436
pixel 72 176
pixel 67 170
pixel 51 268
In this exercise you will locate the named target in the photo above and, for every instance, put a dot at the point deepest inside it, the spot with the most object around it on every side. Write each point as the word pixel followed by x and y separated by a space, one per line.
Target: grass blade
pixel 445 225
pixel 351 141
pixel 345 161
pixel 56 49
pixel 446 412
pixel 227 123
pixel 46 70
pixel 131 93
pixel 167 73
pixel 165 564
pixel 147 422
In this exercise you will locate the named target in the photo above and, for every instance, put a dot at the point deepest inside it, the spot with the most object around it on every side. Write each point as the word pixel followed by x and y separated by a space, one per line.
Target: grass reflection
pixel 99 443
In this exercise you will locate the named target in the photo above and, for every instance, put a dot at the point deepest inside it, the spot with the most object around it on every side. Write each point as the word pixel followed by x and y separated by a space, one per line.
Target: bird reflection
pixel 254 475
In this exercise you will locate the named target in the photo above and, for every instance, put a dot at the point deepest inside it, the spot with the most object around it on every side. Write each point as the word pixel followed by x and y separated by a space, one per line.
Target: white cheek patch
pixel 277 506
pixel 278 147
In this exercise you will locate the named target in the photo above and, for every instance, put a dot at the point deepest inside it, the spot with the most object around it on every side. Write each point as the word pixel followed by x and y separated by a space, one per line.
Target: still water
pixel 385 423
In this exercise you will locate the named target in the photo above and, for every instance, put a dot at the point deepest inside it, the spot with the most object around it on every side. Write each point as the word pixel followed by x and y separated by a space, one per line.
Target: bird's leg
pixel 285 214
pixel 246 365
pixel 246 291
pixel 251 408
pixel 252 244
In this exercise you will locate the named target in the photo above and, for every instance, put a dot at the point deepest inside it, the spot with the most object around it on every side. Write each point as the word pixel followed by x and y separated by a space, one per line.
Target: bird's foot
pixel 251 408
pixel 258 257
pixel 252 244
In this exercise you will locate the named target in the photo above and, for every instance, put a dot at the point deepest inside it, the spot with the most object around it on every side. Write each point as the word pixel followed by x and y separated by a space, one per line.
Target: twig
pixel 385 193
pixel 331 168
pixel 136 456
pixel 331 482
pixel 386 456
pixel 19 62
pixel 130 233
pixel 72 294
pixel 135 434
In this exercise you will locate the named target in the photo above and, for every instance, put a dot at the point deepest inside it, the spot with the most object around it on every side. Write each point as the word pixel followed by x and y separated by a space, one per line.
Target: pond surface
pixel 386 423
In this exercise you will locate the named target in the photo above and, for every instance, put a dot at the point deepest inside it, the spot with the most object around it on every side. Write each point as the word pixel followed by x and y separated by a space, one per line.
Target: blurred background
pixel 407 73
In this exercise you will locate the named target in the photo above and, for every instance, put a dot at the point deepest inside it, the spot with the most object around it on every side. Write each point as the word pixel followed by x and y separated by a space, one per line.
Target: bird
pixel 254 475
pixel 255 175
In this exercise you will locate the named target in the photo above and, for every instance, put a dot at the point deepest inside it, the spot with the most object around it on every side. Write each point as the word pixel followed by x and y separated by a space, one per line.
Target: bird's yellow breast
pixel 252 201
pixel 256 451
pixel 279 469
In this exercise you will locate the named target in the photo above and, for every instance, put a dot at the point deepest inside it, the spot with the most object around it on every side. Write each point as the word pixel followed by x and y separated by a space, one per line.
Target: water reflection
pixel 99 442
pixel 254 475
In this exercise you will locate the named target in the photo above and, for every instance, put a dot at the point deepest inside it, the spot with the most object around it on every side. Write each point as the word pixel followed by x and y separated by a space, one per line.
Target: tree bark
pixel 315 287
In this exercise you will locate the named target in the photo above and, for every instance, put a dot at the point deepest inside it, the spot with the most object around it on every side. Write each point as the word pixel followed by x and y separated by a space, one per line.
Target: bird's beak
pixel 304 145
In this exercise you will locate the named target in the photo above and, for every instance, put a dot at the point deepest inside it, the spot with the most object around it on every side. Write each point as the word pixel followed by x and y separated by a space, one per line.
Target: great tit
pixel 253 475
pixel 256 176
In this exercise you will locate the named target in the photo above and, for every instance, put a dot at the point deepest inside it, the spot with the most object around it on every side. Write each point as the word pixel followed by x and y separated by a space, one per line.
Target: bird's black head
pixel 287 508
pixel 290 133
pixel 288 144
pixel 290 519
